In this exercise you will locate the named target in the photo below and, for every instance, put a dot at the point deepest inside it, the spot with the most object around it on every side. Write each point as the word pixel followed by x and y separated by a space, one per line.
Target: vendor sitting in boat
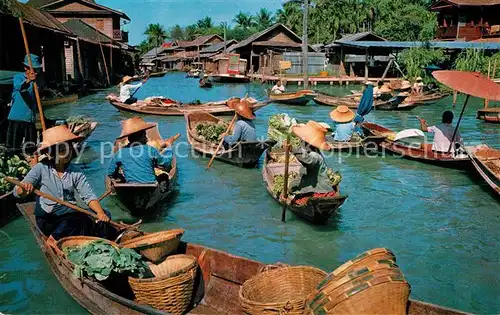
pixel 418 86
pixel 344 117
pixel 125 88
pixel 244 128
pixel 278 88
pixel 136 161
pixel 314 174
pixel 55 176
pixel 443 134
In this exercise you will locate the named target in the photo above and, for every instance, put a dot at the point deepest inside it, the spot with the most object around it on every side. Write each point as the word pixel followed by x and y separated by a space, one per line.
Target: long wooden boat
pixel 140 199
pixel 177 109
pixel 357 146
pixel 395 103
pixel 421 153
pixel 230 78
pixel 206 85
pixel 491 115
pixel 316 209
pixel 158 74
pixel 59 100
pixel 486 161
pixel 242 154
pixel 426 98
pixel 216 292
pixel 301 97
pixel 83 130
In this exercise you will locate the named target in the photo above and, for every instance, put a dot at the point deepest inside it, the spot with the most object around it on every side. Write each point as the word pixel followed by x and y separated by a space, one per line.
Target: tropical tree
pixel 205 23
pixel 156 34
pixel 176 32
pixel 144 47
pixel 264 19
pixel 191 32
pixel 291 16
pixel 244 20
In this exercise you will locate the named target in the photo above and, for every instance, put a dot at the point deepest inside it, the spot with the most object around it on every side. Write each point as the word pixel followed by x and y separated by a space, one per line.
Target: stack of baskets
pixel 371 283
pixel 156 246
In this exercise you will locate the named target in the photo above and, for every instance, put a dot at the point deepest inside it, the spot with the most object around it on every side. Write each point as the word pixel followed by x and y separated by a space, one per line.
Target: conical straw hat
pixel 405 85
pixel 312 133
pixel 384 89
pixel 342 114
pixel 133 125
pixel 57 135
pixel 126 78
pixel 243 109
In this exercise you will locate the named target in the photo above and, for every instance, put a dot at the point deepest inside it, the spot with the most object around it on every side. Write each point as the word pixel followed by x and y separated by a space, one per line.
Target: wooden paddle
pixel 67 204
pixel 285 185
pixel 35 86
pixel 222 141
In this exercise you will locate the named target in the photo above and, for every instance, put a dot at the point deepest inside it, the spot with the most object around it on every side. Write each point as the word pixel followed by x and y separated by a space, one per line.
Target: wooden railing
pixel 468 32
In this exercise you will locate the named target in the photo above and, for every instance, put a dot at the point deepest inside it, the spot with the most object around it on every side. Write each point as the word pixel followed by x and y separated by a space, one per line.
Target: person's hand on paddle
pixel 144 80
pixel 102 217
pixel 100 213
pixel 423 124
pixel 26 189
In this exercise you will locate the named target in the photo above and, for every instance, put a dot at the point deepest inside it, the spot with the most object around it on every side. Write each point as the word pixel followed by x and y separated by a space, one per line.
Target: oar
pixel 105 194
pixel 35 86
pixel 285 187
pixel 171 140
pixel 67 204
pixel 222 141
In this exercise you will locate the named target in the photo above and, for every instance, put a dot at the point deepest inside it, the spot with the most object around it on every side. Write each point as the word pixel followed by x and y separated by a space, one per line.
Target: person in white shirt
pixel 443 134
pixel 125 95
pixel 418 86
pixel 278 88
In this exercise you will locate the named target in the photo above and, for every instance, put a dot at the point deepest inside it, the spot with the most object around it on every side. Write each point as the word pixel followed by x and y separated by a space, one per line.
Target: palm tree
pixel 205 23
pixel 291 16
pixel 264 18
pixel 156 34
pixel 244 20
pixel 191 32
pixel 176 32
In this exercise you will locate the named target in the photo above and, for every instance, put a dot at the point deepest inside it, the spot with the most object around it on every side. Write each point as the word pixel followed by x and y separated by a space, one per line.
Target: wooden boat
pixel 243 154
pixel 395 103
pixel 486 161
pixel 359 146
pixel 178 109
pixel 426 98
pixel 301 97
pixel 230 78
pixel 316 210
pixel 206 84
pixel 422 153
pixel 83 130
pixel 216 292
pixel 491 115
pixel 59 100
pixel 158 74
pixel 139 199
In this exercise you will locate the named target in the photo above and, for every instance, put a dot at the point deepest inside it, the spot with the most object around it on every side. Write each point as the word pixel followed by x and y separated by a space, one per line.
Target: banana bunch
pixel 15 167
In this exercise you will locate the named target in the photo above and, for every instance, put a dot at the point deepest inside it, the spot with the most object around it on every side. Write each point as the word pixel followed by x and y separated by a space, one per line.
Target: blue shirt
pixel 244 131
pixel 23 100
pixel 44 177
pixel 138 163
pixel 343 132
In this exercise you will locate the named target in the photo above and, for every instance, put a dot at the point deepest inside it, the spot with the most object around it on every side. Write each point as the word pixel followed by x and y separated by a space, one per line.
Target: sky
pixel 182 12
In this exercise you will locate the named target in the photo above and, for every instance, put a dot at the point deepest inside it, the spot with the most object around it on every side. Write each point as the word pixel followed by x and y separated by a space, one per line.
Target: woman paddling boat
pixel 126 96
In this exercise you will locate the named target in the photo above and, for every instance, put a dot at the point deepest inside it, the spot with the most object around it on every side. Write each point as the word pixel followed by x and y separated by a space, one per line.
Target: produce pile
pixel 15 167
pixel 210 131
pixel 100 260
pixel 279 182
pixel 78 119
pixel 334 177
pixel 279 129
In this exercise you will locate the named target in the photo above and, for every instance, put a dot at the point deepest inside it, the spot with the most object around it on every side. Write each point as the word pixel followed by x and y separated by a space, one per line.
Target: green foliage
pixel 78 119
pixel 100 260
pixel 15 167
pixel 156 34
pixel 472 60
pixel 244 20
pixel 205 23
pixel 211 132
pixel 279 183
pixel 144 47
pixel 240 33
pixel 334 177
pixel 176 32
pixel 264 19
pixel 279 129
pixel 414 60
pixel 291 16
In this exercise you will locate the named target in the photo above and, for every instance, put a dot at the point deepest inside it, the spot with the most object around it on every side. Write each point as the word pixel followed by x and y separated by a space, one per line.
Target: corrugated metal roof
pixel 218 46
pixel 86 32
pixel 434 44
pixel 353 38
pixel 256 36
pixel 273 43
pixel 199 41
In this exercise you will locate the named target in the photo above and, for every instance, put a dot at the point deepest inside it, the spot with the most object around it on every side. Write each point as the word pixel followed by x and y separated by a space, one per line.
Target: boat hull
pixel 158 74
pixel 365 145
pixel 60 100
pixel 486 162
pixel 491 115
pixel 299 98
pixel 230 78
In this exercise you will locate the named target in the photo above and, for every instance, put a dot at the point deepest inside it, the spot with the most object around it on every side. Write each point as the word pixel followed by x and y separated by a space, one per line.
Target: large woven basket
pixel 172 287
pixel 363 260
pixel 156 246
pixel 81 241
pixel 279 291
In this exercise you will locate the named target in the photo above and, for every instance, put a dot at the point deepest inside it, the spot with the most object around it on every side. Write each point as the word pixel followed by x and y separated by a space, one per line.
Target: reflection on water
pixel 441 223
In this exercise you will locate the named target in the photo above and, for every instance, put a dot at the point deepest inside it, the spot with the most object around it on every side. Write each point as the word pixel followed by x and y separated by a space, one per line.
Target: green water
pixel 442 224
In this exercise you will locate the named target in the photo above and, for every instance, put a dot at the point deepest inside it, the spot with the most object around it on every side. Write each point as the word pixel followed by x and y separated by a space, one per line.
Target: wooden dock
pixel 345 80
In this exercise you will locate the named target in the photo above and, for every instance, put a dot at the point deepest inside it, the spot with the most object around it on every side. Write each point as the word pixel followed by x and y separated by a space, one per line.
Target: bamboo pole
pixel 486 102
pixel 285 182
pixel 305 46
pixel 35 86
pixel 80 63
pixel 105 65
pixel 222 141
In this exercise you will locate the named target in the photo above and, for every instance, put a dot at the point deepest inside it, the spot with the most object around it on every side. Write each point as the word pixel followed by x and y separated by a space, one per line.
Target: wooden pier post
pixel 366 64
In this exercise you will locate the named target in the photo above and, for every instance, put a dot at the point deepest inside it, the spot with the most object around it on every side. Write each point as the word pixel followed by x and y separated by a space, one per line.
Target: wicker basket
pixel 363 260
pixel 172 288
pixel 381 295
pixel 279 291
pixel 81 241
pixel 156 246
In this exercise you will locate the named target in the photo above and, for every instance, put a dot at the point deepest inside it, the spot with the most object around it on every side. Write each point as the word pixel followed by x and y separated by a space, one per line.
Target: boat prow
pixel 491 115
pixel 301 97
pixel 486 161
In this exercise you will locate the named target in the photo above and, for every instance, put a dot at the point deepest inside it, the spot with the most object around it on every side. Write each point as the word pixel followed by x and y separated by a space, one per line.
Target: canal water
pixel 442 224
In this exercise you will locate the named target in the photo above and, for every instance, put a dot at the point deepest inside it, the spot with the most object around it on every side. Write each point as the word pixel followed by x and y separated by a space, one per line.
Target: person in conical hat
pixel 314 171
pixel 344 117
pixel 55 176
pixel 127 89
pixel 244 128
pixel 136 161
pixel 418 86
pixel 405 85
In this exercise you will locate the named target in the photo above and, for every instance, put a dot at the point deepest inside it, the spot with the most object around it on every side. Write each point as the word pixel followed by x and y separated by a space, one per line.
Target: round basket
pixel 172 287
pixel 156 246
pixel 81 241
pixel 279 291
pixel 363 260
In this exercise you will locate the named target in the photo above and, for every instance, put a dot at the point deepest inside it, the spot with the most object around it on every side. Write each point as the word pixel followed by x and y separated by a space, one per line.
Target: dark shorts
pixel 131 100
pixel 19 133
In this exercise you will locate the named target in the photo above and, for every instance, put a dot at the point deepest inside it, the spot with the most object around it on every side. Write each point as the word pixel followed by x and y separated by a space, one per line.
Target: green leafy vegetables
pixel 279 128
pixel 100 260
pixel 210 131
pixel 279 182
pixel 15 167
pixel 334 177
pixel 78 119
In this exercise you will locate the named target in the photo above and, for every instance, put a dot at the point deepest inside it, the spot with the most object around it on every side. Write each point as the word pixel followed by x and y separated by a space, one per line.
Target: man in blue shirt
pixel 137 161
pixel 23 112
pixel 244 128
pixel 344 130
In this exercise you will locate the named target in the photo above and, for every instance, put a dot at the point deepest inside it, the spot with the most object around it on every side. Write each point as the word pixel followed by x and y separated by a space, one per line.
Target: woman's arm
pixel 31 180
pixel 85 191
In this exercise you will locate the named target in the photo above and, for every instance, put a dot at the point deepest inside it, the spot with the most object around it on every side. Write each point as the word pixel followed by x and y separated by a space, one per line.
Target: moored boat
pixel 315 209
pixel 157 74
pixel 486 161
pixel 301 97
pixel 422 153
pixel 229 78
pixel 394 103
pixel 206 84
pixel 358 145
pixel 139 199
pixel 491 115
pixel 242 154
pixel 59 100
pixel 426 98
pixel 217 292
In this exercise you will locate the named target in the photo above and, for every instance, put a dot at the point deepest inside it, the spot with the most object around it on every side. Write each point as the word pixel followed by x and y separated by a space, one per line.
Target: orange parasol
pixel 471 83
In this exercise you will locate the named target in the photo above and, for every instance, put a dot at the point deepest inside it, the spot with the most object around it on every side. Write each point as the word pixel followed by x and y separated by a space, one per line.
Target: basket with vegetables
pixel 210 131
pixel 279 129
pixel 334 177
pixel 13 166
pixel 279 182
